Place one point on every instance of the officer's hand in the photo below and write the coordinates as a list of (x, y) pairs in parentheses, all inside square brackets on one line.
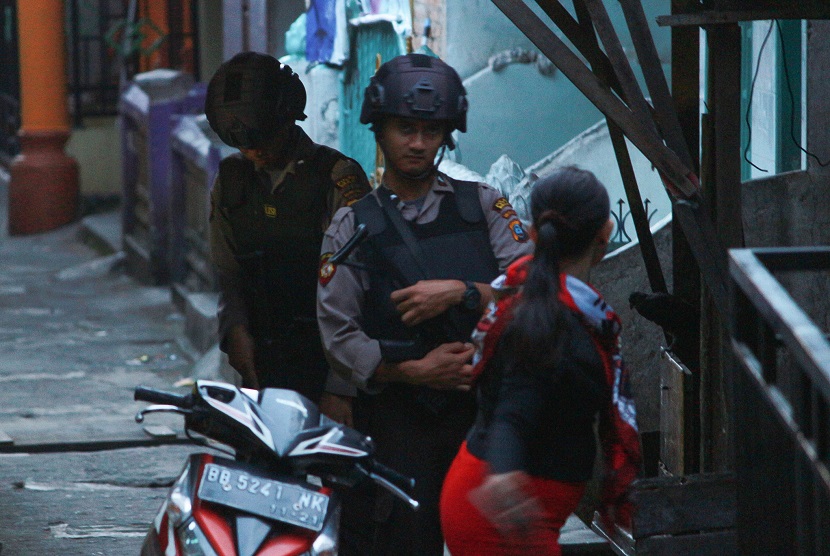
[(447, 367), (240, 345), (427, 299), (337, 408)]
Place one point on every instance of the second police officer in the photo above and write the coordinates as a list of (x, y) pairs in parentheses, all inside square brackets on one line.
[(270, 205), (396, 318)]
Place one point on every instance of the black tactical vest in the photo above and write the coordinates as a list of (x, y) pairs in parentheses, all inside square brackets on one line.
[(278, 237), (456, 245)]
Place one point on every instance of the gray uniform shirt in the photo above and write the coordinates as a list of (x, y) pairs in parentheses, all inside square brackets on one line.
[(340, 292)]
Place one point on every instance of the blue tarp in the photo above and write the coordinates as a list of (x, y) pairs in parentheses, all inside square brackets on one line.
[(321, 28)]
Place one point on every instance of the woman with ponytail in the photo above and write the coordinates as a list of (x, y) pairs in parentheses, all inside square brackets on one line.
[(547, 365)]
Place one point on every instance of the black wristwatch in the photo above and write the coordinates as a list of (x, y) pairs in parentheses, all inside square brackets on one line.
[(471, 300)]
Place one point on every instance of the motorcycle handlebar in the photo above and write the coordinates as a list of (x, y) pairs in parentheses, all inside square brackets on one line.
[(407, 484), (147, 394)]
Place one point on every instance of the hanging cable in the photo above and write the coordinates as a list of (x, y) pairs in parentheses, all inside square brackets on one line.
[(792, 100), (751, 94)]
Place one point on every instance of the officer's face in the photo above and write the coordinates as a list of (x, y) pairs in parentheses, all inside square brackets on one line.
[(410, 145), (268, 155)]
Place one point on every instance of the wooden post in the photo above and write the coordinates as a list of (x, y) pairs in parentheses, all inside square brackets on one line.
[(685, 61), (410, 40), (44, 191), (722, 191)]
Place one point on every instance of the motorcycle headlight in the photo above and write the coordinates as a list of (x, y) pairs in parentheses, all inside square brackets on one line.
[(193, 541)]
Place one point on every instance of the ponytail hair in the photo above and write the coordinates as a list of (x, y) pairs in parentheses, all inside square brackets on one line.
[(569, 207)]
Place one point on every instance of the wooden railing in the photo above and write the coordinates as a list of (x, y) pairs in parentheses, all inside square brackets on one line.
[(781, 402)]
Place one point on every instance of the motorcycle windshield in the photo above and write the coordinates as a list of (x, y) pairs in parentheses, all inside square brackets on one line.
[(288, 413)]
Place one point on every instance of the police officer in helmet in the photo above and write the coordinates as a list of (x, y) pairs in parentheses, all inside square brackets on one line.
[(396, 317), (270, 205)]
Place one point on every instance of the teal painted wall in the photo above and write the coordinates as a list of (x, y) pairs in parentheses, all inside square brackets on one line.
[(521, 113), (367, 41)]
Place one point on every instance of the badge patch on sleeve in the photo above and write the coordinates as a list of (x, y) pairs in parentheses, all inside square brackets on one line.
[(501, 204), (518, 231), (346, 181), (509, 214), (270, 211), (351, 188), (327, 269)]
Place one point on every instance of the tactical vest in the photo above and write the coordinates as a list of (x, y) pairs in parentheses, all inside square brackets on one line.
[(456, 246), (278, 237)]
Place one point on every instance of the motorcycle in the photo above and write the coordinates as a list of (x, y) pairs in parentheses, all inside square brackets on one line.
[(280, 491)]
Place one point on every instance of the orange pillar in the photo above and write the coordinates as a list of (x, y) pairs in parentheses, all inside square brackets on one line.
[(157, 13), (43, 191)]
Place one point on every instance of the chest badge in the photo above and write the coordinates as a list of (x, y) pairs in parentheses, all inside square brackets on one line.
[(327, 269), (270, 211)]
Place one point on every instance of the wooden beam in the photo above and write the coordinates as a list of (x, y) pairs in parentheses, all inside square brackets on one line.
[(722, 17), (706, 246), (651, 259), (584, 42), (715, 543), (688, 210), (672, 505), (664, 159), (658, 88), (619, 61)]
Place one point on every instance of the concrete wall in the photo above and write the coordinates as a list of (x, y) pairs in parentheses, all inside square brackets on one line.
[(477, 29), (619, 274), (791, 209), (281, 14), (97, 148), (516, 110), (436, 11), (322, 88)]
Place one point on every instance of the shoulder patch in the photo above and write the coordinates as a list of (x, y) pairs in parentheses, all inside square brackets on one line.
[(501, 204), (327, 269), (518, 231), (509, 214), (350, 182), (346, 181)]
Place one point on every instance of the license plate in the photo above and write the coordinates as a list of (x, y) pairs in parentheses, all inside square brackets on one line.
[(263, 497)]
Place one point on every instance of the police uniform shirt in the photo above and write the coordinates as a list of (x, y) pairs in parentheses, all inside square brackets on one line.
[(340, 293), (349, 185)]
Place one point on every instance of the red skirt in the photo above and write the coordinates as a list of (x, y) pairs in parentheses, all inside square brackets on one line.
[(468, 533)]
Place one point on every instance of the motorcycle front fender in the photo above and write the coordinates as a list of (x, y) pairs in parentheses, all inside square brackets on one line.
[(151, 546)]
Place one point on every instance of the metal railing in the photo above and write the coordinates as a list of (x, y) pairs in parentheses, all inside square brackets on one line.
[(621, 218), (9, 80), (9, 124), (96, 31), (781, 395)]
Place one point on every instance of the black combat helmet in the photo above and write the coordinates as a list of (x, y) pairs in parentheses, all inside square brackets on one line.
[(251, 97), (416, 86)]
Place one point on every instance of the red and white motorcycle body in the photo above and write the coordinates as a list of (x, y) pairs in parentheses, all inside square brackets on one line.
[(280, 493)]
